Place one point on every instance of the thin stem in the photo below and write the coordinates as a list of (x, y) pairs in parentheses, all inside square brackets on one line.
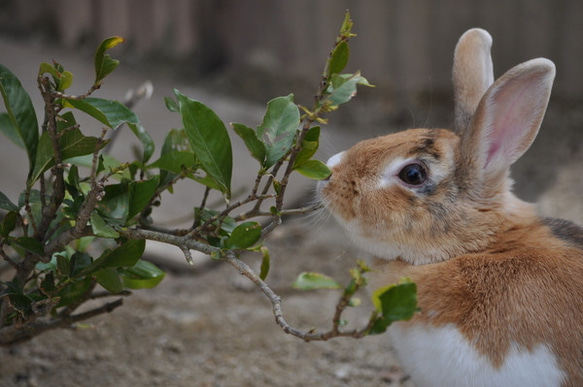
[(91, 90), (58, 193), (276, 303), (205, 197), (292, 211), (257, 183), (227, 211), (69, 129)]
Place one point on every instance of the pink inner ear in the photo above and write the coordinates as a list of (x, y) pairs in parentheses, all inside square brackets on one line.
[(511, 123)]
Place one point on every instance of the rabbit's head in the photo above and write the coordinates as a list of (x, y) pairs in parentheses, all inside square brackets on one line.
[(426, 195)]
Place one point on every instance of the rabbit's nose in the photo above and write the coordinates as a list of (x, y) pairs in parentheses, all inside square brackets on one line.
[(334, 160)]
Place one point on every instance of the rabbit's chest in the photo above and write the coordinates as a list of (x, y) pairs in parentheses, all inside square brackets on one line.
[(442, 356)]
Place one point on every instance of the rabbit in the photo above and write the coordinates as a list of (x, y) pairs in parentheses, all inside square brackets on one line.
[(500, 289)]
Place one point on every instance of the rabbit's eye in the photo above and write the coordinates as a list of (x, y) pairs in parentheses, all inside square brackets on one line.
[(413, 174)]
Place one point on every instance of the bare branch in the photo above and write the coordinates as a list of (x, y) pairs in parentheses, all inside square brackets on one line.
[(14, 334), (276, 303), (87, 208)]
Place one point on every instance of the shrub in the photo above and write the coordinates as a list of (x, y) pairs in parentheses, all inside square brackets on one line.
[(83, 218)]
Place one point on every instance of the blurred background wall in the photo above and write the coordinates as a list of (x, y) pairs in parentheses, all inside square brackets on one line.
[(259, 49), (404, 45)]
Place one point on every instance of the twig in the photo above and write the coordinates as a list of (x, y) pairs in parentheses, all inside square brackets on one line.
[(276, 303), (184, 243), (91, 200), (92, 89), (292, 211), (49, 212)]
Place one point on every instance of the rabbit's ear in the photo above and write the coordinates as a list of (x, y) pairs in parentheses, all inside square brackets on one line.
[(505, 124), (472, 74)]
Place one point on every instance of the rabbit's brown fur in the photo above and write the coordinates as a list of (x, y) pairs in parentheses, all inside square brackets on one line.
[(525, 297)]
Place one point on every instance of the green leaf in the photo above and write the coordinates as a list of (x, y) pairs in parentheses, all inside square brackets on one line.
[(48, 68), (265, 263), (313, 134), (339, 58), (20, 111), (116, 202), (314, 169), (143, 275), (29, 244), (343, 87), (72, 143), (72, 184), (21, 303), (48, 266), (8, 223), (124, 256), (47, 285), (346, 29), (62, 79), (145, 139), (8, 129), (104, 63), (209, 181), (176, 141), (309, 148), (396, 302), (244, 235), (278, 129), (227, 223), (100, 227), (79, 262), (310, 145), (110, 113), (66, 81), (106, 163), (6, 204), (311, 281), (171, 105), (209, 140), (63, 264), (141, 192), (65, 121), (175, 161), (250, 139), (83, 243), (109, 279), (73, 291)]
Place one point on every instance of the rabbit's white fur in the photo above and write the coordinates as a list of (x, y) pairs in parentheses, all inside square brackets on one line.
[(453, 362), (500, 289)]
